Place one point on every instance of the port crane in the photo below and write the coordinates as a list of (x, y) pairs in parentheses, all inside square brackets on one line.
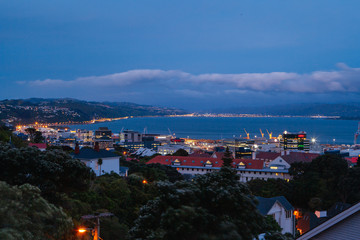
[(357, 134), (247, 134), (270, 135), (262, 134)]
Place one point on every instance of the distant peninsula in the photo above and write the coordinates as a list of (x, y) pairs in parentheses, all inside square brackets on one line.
[(68, 110)]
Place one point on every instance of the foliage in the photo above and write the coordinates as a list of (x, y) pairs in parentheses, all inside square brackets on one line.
[(122, 197), (227, 158), (181, 152), (6, 135), (34, 135), (153, 172), (26, 215), (270, 188), (213, 206), (52, 171), (316, 185)]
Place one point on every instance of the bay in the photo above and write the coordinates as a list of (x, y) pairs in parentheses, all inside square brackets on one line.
[(323, 130)]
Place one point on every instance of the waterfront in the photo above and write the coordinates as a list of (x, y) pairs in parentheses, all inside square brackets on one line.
[(324, 130)]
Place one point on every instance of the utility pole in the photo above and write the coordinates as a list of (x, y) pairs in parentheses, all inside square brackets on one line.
[(96, 217)]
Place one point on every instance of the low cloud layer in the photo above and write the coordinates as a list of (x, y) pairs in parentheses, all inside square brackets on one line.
[(342, 80)]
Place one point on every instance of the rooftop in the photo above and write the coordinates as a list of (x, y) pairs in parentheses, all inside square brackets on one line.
[(265, 204), (89, 153)]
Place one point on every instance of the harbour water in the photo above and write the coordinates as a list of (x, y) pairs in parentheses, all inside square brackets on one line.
[(324, 130)]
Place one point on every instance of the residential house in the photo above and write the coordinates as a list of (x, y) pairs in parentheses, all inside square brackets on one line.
[(281, 210), (89, 156), (344, 225)]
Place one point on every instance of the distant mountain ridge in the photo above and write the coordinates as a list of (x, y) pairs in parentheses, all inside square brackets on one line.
[(68, 109), (344, 110)]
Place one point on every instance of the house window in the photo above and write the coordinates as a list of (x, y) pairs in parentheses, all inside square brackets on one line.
[(288, 213)]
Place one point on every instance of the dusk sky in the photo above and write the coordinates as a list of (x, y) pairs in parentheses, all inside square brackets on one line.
[(189, 54)]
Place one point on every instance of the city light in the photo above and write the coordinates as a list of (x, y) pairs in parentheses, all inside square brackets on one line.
[(313, 140), (144, 181)]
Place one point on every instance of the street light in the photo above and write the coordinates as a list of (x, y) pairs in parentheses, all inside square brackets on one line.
[(82, 230), (96, 230)]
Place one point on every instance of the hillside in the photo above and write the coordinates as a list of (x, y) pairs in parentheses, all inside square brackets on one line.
[(66, 110)]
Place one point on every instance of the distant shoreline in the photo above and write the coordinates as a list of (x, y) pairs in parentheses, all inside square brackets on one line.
[(206, 115)]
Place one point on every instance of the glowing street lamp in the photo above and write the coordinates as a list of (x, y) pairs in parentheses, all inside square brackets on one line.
[(82, 230), (144, 181)]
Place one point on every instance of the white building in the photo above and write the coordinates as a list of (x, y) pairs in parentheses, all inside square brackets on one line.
[(110, 161), (248, 169), (281, 210)]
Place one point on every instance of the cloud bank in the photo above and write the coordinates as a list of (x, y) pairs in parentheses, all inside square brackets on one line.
[(342, 80)]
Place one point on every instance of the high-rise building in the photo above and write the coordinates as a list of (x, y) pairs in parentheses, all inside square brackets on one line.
[(295, 141)]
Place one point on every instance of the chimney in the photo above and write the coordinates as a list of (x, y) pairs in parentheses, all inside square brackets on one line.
[(253, 155), (321, 214), (96, 147), (282, 153), (77, 149), (287, 152)]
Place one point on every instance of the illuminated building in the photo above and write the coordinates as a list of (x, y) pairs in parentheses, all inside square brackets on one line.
[(103, 132), (130, 136), (295, 141)]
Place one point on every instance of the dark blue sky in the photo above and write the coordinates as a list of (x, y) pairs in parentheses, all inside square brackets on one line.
[(189, 54)]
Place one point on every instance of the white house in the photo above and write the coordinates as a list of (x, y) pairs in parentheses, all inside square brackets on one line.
[(281, 210), (110, 161)]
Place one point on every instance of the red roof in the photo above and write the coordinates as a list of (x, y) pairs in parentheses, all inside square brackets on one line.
[(200, 161), (352, 159), (38, 145)]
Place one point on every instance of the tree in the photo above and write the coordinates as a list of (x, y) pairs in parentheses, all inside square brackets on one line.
[(34, 135), (181, 152), (31, 133), (7, 136), (270, 188), (38, 138), (52, 171), (26, 215), (212, 206), (316, 184), (227, 158), (99, 163)]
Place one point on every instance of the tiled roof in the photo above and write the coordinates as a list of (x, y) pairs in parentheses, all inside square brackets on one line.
[(299, 157), (87, 153), (267, 155), (200, 161), (265, 204), (199, 154), (352, 159)]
